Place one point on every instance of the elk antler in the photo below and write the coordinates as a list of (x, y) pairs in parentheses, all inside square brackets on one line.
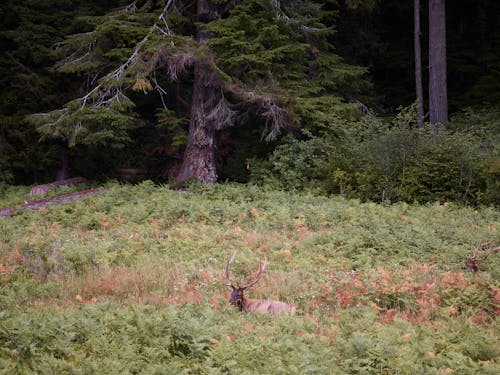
[(262, 267), (227, 281), (472, 262), (489, 248)]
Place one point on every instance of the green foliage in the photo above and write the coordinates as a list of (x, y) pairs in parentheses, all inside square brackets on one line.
[(88, 126), (375, 160), (286, 51), (130, 281), (252, 44), (292, 165), (173, 125), (29, 32)]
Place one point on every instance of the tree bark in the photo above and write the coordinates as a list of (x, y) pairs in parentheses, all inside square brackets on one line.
[(438, 97), (199, 157), (63, 172), (418, 64)]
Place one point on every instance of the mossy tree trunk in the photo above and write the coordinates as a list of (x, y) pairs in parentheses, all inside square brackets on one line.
[(200, 155)]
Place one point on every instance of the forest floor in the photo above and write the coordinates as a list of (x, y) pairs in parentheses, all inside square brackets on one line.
[(131, 281)]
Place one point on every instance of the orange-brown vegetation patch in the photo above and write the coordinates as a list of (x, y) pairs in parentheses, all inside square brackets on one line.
[(157, 286), (417, 294), (10, 261)]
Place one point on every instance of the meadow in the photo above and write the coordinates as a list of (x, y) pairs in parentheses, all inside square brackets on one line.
[(129, 281)]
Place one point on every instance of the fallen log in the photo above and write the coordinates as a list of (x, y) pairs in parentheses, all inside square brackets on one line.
[(43, 189), (40, 203)]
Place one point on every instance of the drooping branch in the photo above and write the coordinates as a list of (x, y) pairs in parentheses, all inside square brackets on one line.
[(108, 94), (177, 65), (279, 118), (221, 114), (176, 55)]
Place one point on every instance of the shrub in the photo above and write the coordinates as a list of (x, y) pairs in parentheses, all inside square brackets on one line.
[(394, 161)]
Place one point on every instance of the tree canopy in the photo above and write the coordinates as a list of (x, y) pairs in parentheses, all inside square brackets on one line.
[(203, 89)]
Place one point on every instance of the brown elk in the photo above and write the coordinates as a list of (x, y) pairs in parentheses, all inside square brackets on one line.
[(250, 305)]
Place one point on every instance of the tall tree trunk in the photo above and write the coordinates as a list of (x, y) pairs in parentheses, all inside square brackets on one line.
[(200, 155), (438, 97), (418, 64), (63, 172)]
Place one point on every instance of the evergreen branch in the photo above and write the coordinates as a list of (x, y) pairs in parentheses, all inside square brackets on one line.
[(273, 111), (75, 58), (117, 73), (109, 95), (132, 7)]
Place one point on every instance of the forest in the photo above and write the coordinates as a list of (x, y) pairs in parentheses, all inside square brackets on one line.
[(336, 160), (327, 95)]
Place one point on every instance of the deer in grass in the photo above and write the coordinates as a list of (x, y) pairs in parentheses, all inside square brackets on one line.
[(472, 262), (254, 305)]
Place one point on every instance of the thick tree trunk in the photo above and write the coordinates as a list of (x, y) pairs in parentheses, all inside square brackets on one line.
[(438, 97), (199, 157), (418, 64)]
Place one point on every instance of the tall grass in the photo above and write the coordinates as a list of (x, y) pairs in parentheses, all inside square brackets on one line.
[(130, 281)]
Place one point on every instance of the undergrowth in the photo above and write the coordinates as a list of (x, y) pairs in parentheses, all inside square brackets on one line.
[(130, 281)]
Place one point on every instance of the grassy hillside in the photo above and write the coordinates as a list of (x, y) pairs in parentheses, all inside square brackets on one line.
[(130, 281)]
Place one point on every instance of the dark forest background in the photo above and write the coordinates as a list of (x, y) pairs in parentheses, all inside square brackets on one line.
[(294, 94)]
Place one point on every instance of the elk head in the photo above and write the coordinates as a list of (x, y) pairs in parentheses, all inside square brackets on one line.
[(254, 305)]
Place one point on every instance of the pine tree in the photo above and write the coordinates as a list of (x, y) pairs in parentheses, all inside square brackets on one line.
[(266, 57), (28, 33)]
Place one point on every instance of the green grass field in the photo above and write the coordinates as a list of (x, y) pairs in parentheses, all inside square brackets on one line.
[(130, 281)]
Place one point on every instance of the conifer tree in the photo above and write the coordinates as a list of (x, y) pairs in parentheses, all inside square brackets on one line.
[(28, 32), (267, 57)]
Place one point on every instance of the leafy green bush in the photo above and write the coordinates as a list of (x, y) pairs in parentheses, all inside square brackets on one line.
[(381, 161), (292, 165)]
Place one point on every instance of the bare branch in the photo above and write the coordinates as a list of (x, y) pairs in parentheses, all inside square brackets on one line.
[(221, 113), (279, 120), (177, 64), (279, 12), (161, 91)]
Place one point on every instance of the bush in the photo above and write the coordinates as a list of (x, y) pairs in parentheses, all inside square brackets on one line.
[(395, 161), (293, 165)]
